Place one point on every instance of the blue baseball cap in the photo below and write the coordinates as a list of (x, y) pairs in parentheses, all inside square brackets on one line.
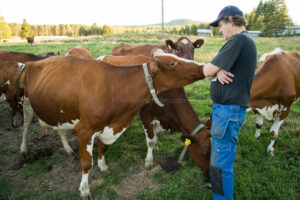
[(226, 12)]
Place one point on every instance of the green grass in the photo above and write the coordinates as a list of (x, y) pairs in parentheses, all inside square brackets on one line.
[(257, 175)]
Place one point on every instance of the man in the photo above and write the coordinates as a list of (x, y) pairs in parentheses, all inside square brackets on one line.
[(233, 71)]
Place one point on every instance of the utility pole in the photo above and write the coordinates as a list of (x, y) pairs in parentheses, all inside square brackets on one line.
[(162, 19)]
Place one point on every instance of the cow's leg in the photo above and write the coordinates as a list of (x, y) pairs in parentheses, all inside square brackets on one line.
[(86, 142), (67, 148), (28, 115), (259, 124), (275, 128), (101, 159), (151, 131), (273, 134)]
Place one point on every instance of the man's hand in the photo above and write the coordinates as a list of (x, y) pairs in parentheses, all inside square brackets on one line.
[(224, 77)]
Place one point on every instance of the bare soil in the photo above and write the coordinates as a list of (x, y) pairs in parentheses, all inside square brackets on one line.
[(63, 176)]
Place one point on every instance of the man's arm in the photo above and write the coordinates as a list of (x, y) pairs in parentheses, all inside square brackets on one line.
[(212, 70)]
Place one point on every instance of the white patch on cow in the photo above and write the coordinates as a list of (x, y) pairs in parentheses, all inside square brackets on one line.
[(2, 97), (102, 164), (270, 149), (61, 111), (28, 115), (67, 148), (275, 51), (151, 144), (276, 126), (84, 186), (184, 41), (100, 58), (157, 127), (67, 54), (107, 136), (7, 82), (259, 121), (160, 52), (59, 126), (21, 65), (268, 111)]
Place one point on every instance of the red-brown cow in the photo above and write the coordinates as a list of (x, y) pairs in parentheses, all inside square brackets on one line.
[(183, 48), (80, 52), (30, 40), (275, 87), (68, 92), (22, 58), (176, 115), (8, 91), (177, 107)]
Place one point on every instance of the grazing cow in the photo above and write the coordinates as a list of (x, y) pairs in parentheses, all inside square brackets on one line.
[(183, 48), (176, 115), (22, 58), (30, 40), (19, 56), (9, 72), (80, 52), (170, 117), (275, 87), (68, 92)]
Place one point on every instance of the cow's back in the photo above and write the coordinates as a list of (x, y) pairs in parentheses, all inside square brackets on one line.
[(145, 50), (19, 56)]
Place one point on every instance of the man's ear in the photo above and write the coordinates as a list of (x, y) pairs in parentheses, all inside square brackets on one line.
[(198, 43), (170, 44)]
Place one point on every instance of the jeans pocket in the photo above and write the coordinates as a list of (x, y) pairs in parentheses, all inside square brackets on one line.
[(219, 126)]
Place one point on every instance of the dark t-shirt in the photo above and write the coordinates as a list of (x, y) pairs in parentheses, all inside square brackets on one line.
[(238, 56)]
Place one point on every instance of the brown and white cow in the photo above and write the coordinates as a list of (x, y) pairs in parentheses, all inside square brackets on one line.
[(97, 99), (19, 56), (183, 48), (80, 52), (275, 87), (9, 72), (176, 115)]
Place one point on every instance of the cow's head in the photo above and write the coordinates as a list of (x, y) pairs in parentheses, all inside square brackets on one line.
[(199, 149), (171, 71), (184, 48)]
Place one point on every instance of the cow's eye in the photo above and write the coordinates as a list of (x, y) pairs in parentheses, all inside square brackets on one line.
[(178, 49), (172, 63)]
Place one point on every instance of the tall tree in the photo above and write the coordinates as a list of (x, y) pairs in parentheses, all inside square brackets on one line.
[(26, 30), (5, 31)]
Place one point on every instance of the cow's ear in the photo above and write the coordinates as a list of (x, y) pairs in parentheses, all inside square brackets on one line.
[(57, 53), (184, 138), (198, 43), (170, 44), (154, 67), (208, 124)]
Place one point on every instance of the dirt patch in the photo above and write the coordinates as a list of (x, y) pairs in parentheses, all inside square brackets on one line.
[(63, 173)]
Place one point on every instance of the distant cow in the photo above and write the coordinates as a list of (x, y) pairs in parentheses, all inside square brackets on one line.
[(275, 87), (30, 40), (183, 48), (9, 72), (80, 52), (68, 92)]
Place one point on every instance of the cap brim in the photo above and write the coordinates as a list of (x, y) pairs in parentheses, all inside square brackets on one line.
[(215, 23)]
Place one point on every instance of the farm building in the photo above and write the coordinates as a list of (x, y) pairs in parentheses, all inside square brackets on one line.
[(291, 30), (204, 32)]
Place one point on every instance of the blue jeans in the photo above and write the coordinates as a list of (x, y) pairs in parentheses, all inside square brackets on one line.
[(226, 124)]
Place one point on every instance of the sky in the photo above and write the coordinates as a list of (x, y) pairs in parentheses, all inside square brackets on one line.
[(123, 12)]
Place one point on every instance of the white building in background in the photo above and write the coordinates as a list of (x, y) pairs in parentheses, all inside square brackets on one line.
[(204, 32)]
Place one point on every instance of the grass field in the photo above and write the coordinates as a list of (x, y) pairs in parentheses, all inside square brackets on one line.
[(258, 176)]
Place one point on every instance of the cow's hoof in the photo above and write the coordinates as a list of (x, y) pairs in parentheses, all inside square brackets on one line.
[(149, 165)]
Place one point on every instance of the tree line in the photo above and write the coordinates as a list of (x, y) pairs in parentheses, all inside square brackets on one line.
[(270, 17)]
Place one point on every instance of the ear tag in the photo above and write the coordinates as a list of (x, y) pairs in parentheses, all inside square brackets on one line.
[(169, 47), (198, 45), (187, 142)]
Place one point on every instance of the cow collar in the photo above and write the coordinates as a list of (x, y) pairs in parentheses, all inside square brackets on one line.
[(149, 82), (196, 130)]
